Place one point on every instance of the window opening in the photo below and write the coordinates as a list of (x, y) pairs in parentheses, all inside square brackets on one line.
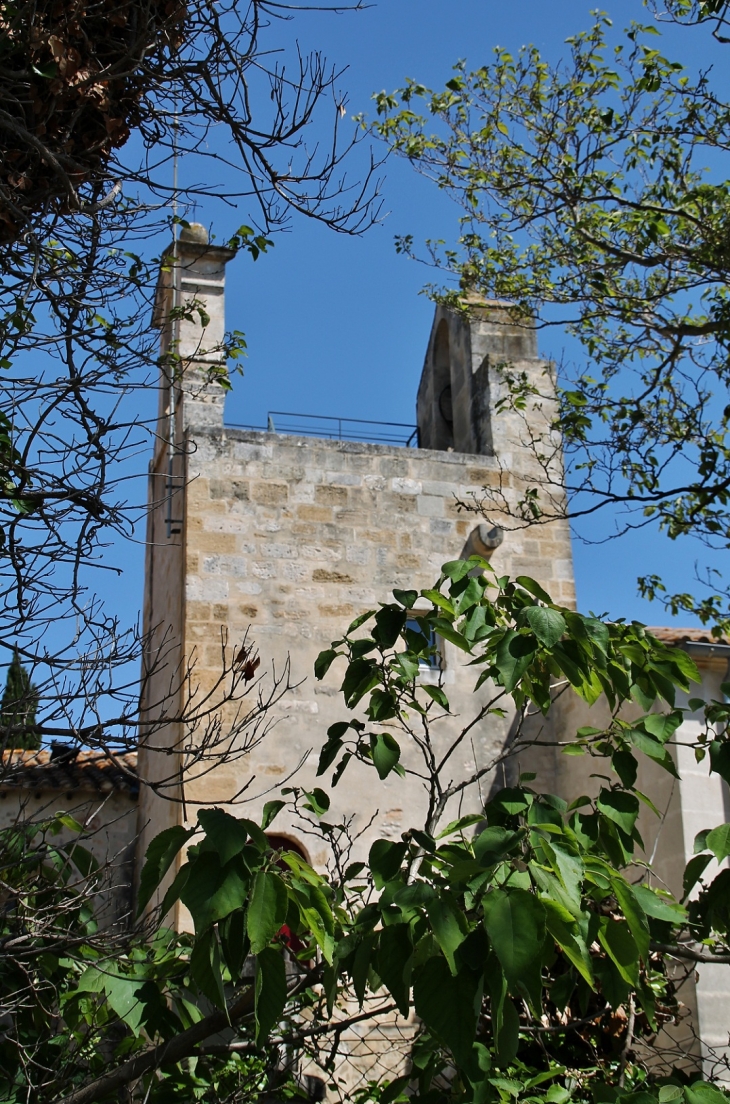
[(431, 660)]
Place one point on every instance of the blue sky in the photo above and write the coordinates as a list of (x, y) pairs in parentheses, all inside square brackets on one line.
[(335, 325)]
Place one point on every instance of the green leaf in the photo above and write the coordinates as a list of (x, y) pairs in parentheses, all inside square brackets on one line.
[(547, 624), (626, 767), (662, 725), (125, 997), (266, 910), (328, 754), (436, 694), (513, 657), (460, 824), (389, 621), (406, 598), (271, 811), (654, 749), (317, 802), (718, 841), (444, 628), (270, 992), (448, 1005), (361, 676), (449, 926), (360, 621), (160, 856), (176, 888), (621, 948), (361, 966), (394, 961), (515, 923), (566, 934), (212, 892), (693, 871), (385, 860), (456, 570), (634, 914), (720, 759), (224, 834), (491, 845), (324, 661), (533, 588), (699, 1092), (622, 808), (661, 908), (597, 633), (385, 751), (205, 968)]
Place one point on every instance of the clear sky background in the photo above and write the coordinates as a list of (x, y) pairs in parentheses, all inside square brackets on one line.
[(336, 325)]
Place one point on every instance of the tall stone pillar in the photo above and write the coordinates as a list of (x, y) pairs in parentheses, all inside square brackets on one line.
[(189, 312)]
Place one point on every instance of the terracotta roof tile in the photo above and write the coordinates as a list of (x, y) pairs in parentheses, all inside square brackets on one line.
[(686, 636), (89, 771)]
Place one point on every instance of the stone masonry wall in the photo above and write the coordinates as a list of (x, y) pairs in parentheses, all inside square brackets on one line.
[(296, 537)]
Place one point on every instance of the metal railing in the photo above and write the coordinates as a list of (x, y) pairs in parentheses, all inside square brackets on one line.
[(337, 429)]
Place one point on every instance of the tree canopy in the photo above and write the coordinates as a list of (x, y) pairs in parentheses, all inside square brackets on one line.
[(593, 198)]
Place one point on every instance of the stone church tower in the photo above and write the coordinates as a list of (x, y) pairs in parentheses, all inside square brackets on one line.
[(295, 536), (292, 537)]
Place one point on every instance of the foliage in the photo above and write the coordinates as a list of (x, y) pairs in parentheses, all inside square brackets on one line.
[(18, 708), (100, 105), (530, 936), (592, 198)]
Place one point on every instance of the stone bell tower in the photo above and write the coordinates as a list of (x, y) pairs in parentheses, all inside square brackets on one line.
[(292, 537)]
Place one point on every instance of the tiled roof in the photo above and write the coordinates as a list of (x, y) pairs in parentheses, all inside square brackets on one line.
[(89, 771), (686, 636)]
